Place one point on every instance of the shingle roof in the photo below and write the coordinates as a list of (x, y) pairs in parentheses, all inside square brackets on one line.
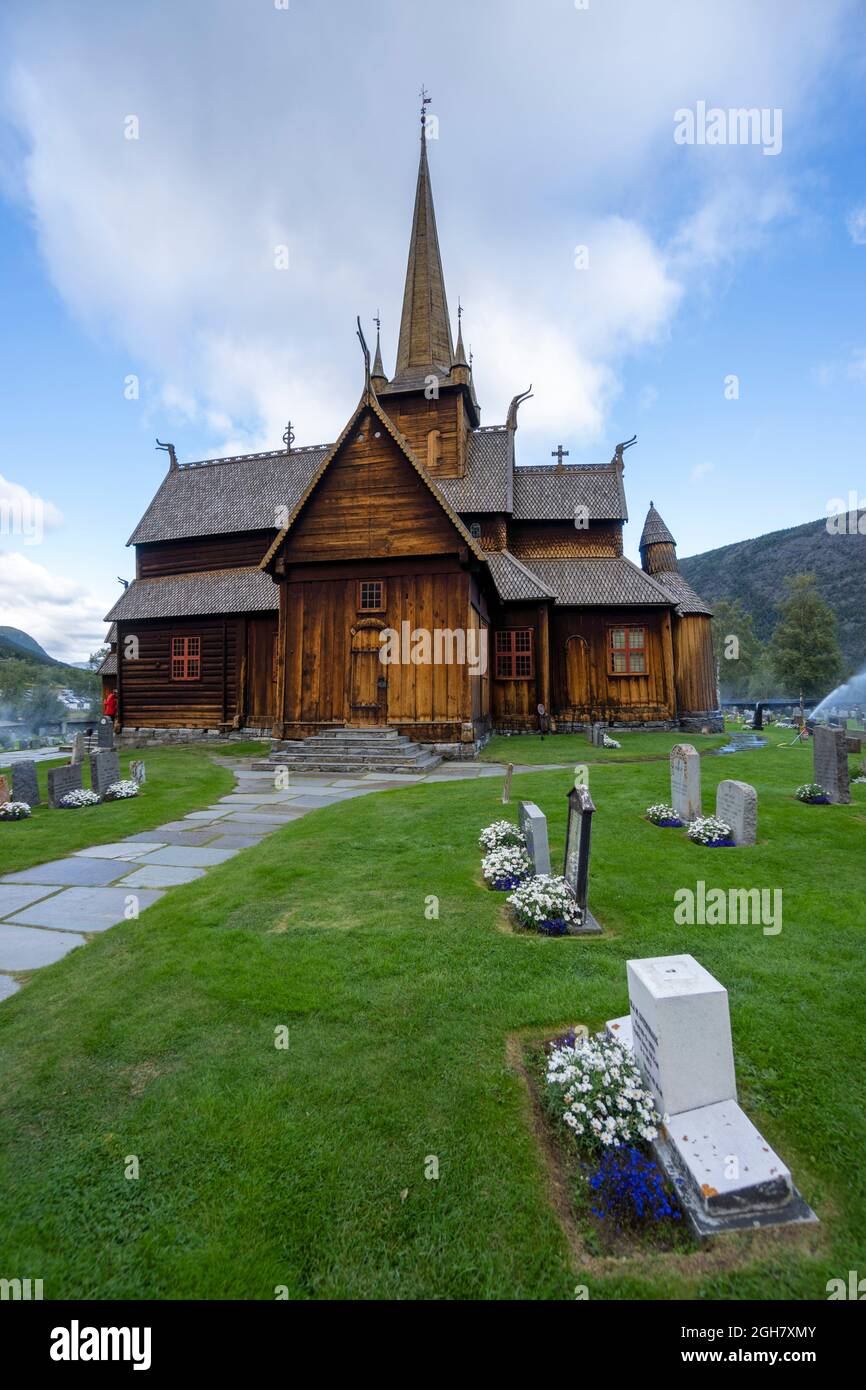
[(194, 595), (514, 582), (551, 494), (218, 496), (108, 666), (112, 633), (682, 593), (654, 530), (486, 486), (600, 582)]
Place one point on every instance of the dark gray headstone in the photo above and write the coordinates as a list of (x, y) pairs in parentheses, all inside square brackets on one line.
[(533, 823), (830, 753), (25, 783), (62, 780), (105, 733), (104, 769), (577, 848)]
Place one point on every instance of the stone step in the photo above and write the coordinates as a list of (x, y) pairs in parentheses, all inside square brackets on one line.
[(337, 764), (332, 750)]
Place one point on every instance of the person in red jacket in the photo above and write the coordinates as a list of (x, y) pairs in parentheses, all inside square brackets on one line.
[(109, 705)]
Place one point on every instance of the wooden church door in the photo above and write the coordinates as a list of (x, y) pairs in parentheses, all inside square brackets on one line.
[(368, 684)]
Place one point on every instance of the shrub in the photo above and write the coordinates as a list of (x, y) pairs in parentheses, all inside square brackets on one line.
[(709, 830), (814, 793), (82, 797), (506, 868), (545, 904), (500, 834), (660, 814), (14, 810), (118, 791), (629, 1189), (601, 1093)]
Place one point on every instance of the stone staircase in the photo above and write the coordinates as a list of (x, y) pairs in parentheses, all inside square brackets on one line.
[(342, 750)]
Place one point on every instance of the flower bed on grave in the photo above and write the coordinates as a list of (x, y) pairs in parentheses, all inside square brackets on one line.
[(711, 832), (121, 791), (545, 904), (663, 816), (500, 834), (506, 868), (602, 1120), (14, 810), (813, 794), (72, 801)]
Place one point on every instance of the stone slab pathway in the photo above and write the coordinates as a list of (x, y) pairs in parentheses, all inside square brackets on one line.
[(51, 909)]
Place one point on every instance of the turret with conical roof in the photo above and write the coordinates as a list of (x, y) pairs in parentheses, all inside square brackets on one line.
[(378, 379), (658, 549)]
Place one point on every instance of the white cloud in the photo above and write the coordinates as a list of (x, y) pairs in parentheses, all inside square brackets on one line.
[(700, 471), (23, 515), (856, 224), (63, 616), (265, 135)]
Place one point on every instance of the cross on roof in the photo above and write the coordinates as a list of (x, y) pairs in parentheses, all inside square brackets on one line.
[(559, 454), (288, 436)]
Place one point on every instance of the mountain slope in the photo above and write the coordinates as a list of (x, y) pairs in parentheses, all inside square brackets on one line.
[(14, 642), (754, 572)]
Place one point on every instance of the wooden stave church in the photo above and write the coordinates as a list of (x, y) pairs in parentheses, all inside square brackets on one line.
[(263, 582)]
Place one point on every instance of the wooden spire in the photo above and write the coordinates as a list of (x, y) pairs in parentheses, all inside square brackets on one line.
[(425, 332)]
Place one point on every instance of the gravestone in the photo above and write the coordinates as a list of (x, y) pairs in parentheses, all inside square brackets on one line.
[(681, 1032), (578, 839), (686, 781), (25, 783), (4, 791), (758, 722), (62, 780), (137, 771), (855, 741), (104, 770), (726, 1175), (533, 823), (105, 733), (830, 754), (77, 748), (737, 806)]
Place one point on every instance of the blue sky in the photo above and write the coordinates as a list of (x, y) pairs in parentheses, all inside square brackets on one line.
[(261, 126)]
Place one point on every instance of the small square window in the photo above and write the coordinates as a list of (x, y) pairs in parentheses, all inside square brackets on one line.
[(371, 596)]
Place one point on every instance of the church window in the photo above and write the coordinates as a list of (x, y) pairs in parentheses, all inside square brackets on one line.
[(371, 596), (627, 651), (514, 655), (185, 658)]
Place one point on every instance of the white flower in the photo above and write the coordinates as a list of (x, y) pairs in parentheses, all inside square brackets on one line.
[(82, 797), (620, 1110), (706, 830), (14, 810), (500, 834), (118, 791), (510, 862)]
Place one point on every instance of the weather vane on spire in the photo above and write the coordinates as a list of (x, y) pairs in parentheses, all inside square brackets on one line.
[(378, 322), (425, 102), (459, 309)]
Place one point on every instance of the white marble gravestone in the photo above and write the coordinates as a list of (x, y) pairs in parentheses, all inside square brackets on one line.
[(737, 806), (686, 781), (681, 1032), (533, 823)]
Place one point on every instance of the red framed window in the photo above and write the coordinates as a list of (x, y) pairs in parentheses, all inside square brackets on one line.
[(371, 595), (185, 658), (514, 654), (627, 651)]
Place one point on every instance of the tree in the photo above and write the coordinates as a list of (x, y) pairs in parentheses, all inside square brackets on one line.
[(42, 707), (804, 648), (737, 651)]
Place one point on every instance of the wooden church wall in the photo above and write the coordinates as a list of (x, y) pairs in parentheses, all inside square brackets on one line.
[(149, 698), (370, 501), (320, 683), (694, 664), (579, 665), (415, 417), (201, 553)]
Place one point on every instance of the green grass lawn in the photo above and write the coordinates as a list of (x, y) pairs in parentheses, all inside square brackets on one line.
[(574, 748), (305, 1166), (179, 780)]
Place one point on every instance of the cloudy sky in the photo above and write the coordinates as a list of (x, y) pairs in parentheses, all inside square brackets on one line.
[(140, 294)]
